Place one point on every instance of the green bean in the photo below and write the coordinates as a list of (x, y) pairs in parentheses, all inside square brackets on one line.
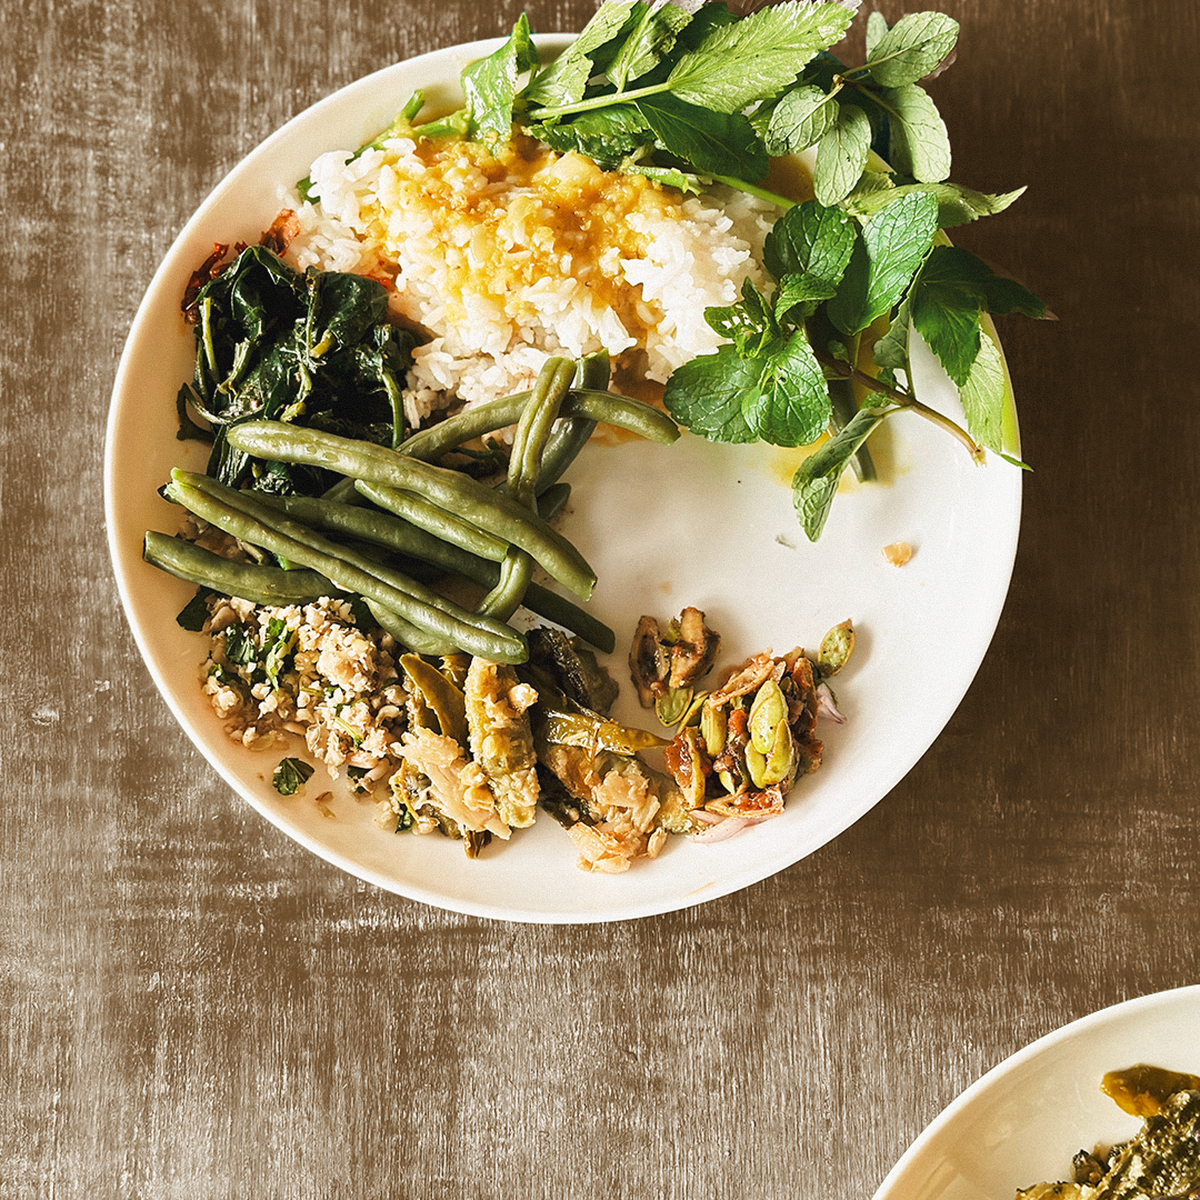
[(553, 500), (490, 510), (361, 522), (408, 634), (248, 581), (529, 443), (567, 440), (607, 407), (383, 529), (239, 514), (434, 520)]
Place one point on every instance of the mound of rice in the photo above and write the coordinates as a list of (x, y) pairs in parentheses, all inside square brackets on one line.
[(504, 255)]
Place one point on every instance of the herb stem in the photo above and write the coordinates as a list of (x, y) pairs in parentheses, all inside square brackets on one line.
[(904, 400), (753, 189), (569, 110)]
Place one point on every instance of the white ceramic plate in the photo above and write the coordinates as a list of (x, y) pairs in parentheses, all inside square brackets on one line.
[(694, 523), (1022, 1122)]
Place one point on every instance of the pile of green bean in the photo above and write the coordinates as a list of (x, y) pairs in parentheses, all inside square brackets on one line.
[(397, 520)]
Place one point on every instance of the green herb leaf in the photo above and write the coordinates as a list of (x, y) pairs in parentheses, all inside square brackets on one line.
[(842, 154), (291, 775), (877, 27), (605, 135), (918, 142), (800, 119), (810, 239), (891, 350), (790, 406), (706, 395), (564, 80), (651, 38), (957, 205), (949, 298), (983, 396), (749, 60), (815, 483), (490, 85), (194, 614), (714, 143), (893, 245), (912, 48), (750, 324), (953, 264)]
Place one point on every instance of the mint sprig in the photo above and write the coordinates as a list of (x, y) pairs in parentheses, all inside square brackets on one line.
[(692, 98)]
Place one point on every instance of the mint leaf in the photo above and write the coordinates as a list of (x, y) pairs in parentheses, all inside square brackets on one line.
[(811, 239), (842, 154), (877, 27), (892, 246), (706, 395), (918, 142), (749, 60), (714, 143), (564, 80), (951, 294), (749, 325), (948, 318), (650, 40), (801, 289), (957, 205), (954, 266), (490, 84), (912, 48), (815, 482), (800, 119), (790, 406), (983, 396), (891, 350)]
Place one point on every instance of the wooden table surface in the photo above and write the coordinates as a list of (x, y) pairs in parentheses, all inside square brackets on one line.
[(192, 1005)]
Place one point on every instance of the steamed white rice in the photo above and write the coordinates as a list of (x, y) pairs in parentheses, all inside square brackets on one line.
[(504, 256)]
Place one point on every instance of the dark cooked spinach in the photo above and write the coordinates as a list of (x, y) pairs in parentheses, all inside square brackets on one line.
[(313, 348)]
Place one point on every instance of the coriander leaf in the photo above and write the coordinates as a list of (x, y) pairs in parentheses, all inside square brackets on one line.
[(790, 406), (650, 39), (983, 396), (815, 482), (490, 84), (713, 143), (877, 26), (564, 80), (893, 244), (706, 393), (291, 775), (918, 144), (842, 154), (799, 120), (957, 205), (912, 48), (751, 59), (810, 239)]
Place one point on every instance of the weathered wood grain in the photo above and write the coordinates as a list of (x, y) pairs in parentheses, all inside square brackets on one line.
[(192, 1006)]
